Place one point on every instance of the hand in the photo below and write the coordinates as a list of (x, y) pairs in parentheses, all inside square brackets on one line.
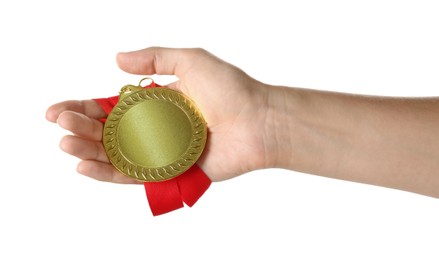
[(233, 104), (390, 142)]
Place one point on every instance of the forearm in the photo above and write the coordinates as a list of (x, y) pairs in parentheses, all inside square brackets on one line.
[(391, 142)]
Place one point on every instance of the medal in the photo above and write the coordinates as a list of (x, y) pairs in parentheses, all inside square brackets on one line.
[(155, 135)]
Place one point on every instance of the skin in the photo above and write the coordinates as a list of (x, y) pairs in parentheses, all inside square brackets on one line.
[(385, 141)]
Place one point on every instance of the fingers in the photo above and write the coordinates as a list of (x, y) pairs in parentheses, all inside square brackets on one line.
[(156, 60), (103, 172), (95, 162), (87, 107), (81, 125), (83, 149)]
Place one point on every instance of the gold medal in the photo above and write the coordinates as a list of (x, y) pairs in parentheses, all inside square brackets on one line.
[(154, 134)]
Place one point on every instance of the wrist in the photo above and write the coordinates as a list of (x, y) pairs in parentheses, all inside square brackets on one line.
[(307, 130), (280, 126)]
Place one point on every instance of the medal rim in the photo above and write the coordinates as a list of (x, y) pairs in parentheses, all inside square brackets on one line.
[(159, 173)]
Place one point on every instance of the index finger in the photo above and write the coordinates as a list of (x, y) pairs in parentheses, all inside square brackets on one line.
[(87, 107)]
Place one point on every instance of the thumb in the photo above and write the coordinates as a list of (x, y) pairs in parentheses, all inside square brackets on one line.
[(155, 60)]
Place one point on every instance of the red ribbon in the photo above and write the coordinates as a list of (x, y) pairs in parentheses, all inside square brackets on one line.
[(169, 195)]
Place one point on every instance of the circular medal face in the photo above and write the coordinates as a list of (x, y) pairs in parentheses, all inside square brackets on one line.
[(154, 134)]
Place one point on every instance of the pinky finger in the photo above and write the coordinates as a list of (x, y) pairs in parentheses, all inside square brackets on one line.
[(103, 172)]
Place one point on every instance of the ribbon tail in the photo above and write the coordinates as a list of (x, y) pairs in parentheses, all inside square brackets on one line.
[(193, 183), (163, 196), (169, 195)]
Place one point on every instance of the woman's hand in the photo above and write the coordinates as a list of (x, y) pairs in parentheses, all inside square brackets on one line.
[(233, 104)]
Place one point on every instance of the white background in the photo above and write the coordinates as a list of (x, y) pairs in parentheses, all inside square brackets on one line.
[(57, 50)]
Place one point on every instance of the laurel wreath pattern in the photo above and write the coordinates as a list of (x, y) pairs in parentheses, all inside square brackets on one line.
[(146, 174)]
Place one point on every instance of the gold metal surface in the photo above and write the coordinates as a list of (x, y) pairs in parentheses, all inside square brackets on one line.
[(154, 134)]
